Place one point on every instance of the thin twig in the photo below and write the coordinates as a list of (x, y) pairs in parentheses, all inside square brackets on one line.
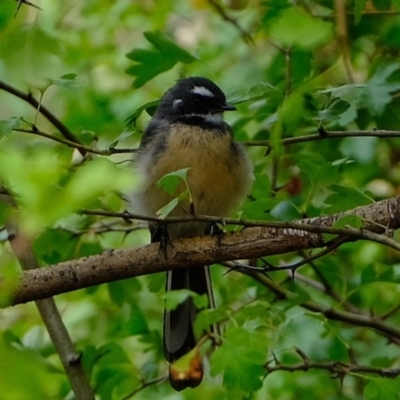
[(330, 291), (28, 97), (220, 10), (331, 247), (369, 321), (81, 147), (288, 71), (144, 385), (103, 228), (391, 312), (290, 267), (337, 368), (327, 135), (28, 3), (366, 13)]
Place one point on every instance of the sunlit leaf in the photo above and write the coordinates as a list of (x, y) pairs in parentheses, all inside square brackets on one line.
[(176, 297), (345, 198), (382, 389), (164, 211), (68, 81), (150, 63), (294, 27), (349, 220), (149, 107), (240, 360), (7, 126), (359, 6), (171, 181)]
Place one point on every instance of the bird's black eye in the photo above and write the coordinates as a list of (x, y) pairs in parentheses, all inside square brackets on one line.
[(198, 99)]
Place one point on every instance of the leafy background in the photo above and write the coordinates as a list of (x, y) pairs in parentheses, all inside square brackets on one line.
[(291, 68)]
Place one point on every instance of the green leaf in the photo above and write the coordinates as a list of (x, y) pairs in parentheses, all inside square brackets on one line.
[(373, 273), (317, 170), (286, 211), (124, 291), (255, 310), (32, 52), (382, 5), (68, 81), (259, 209), (150, 63), (124, 135), (54, 246), (294, 27), (137, 323), (28, 363), (111, 354), (165, 45), (350, 220), (350, 92), (378, 91), (333, 111), (150, 107), (345, 198), (208, 317), (7, 126), (200, 301), (47, 194), (262, 186), (155, 282), (396, 4), (382, 389), (292, 109), (359, 6), (163, 212), (176, 297), (240, 360), (261, 90), (170, 182)]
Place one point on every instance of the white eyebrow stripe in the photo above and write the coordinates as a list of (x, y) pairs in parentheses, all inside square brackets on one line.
[(203, 91)]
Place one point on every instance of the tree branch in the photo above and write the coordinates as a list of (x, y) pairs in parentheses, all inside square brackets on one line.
[(342, 36), (58, 333), (353, 318), (250, 243)]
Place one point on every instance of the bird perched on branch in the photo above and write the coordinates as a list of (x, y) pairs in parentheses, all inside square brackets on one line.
[(188, 132)]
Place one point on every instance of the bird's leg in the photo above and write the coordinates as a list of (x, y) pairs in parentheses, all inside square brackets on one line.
[(159, 233), (214, 230)]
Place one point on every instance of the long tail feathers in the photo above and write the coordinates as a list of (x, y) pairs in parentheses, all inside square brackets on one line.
[(179, 337)]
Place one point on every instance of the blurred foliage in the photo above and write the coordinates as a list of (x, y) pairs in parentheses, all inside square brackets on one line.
[(100, 66)]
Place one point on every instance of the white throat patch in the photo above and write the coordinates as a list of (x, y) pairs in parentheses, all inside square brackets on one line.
[(216, 118), (202, 91)]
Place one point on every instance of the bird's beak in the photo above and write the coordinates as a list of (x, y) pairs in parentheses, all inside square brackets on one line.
[(229, 107)]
